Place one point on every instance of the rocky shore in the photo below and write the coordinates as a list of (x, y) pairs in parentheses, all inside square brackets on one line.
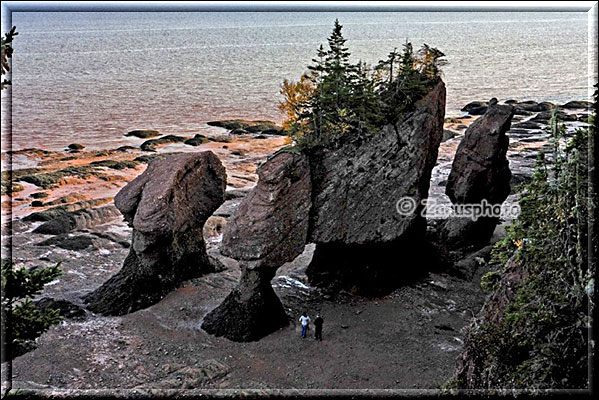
[(62, 209)]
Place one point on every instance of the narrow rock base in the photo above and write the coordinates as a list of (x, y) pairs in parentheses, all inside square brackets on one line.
[(135, 287), (250, 312)]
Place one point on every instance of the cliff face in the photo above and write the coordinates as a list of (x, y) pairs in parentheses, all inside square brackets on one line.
[(354, 221), (342, 199)]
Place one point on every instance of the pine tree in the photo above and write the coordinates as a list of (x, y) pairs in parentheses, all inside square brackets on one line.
[(336, 97), (386, 68), (408, 61), (23, 321), (337, 68), (365, 100), (318, 70), (431, 59), (7, 52)]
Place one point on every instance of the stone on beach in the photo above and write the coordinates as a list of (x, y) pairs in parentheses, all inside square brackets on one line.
[(143, 133)]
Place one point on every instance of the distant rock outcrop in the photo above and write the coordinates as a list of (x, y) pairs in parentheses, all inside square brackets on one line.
[(342, 199), (480, 171), (167, 207)]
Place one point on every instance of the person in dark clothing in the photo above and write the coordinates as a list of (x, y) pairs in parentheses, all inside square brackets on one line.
[(318, 328)]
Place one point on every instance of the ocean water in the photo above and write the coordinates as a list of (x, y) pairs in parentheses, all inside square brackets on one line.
[(89, 77)]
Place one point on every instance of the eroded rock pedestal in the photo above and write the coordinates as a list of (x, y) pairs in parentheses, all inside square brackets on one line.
[(342, 199), (167, 207), (269, 228), (480, 172)]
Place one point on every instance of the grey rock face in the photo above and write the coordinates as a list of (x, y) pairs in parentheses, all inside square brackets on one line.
[(167, 207), (251, 311), (269, 228), (271, 223), (355, 188), (480, 171)]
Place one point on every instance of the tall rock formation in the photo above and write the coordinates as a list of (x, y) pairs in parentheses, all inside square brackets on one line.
[(167, 207), (342, 199), (480, 171), (269, 228)]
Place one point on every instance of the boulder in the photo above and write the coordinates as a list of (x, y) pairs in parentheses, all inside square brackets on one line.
[(143, 133), (448, 134), (475, 106), (268, 229), (577, 104), (197, 140), (153, 144), (167, 207), (533, 106), (528, 125), (480, 171), (545, 116)]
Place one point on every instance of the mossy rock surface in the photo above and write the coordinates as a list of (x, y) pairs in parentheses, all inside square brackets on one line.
[(9, 179), (124, 149), (39, 195), (242, 126), (150, 157), (53, 179), (220, 139), (152, 144), (197, 140), (143, 133), (112, 164)]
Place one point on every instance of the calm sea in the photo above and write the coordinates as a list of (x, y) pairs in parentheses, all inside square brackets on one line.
[(89, 77)]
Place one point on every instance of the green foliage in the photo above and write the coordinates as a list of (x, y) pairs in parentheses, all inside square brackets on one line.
[(24, 321), (7, 52), (336, 98), (540, 339), (489, 281)]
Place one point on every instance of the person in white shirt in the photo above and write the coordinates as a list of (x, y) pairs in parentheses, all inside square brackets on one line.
[(305, 320)]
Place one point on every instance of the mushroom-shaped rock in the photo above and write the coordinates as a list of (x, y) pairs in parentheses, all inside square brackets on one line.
[(167, 207), (480, 172), (268, 229)]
